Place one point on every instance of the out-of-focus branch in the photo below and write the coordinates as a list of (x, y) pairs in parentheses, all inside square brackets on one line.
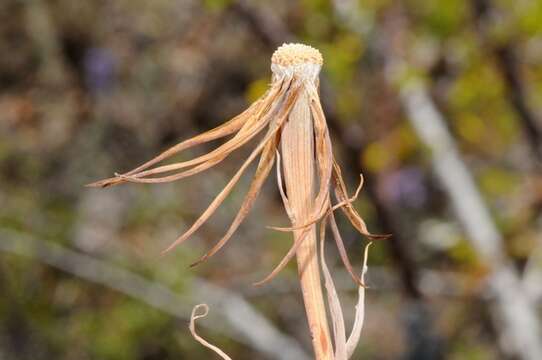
[(532, 276), (244, 323), (269, 28), (532, 283), (514, 313), (505, 55), (44, 34)]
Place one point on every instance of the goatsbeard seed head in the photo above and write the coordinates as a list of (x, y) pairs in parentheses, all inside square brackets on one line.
[(296, 54), (302, 60)]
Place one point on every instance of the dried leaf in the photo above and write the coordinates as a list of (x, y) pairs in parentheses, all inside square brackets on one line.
[(348, 209), (219, 132), (335, 308), (281, 190), (244, 121), (298, 239), (353, 338), (342, 250), (290, 100), (264, 167), (324, 156), (249, 130), (187, 173)]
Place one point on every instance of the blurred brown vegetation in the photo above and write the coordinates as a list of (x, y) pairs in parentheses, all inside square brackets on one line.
[(88, 88)]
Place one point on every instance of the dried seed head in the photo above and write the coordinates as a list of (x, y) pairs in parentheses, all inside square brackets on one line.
[(299, 59), (296, 54)]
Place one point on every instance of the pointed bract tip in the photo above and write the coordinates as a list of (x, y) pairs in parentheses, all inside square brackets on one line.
[(97, 184), (199, 261), (106, 182), (379, 236), (258, 283), (166, 250)]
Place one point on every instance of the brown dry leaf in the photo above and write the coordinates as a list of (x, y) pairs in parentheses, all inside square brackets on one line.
[(342, 250), (285, 201), (298, 239), (264, 167), (219, 132), (243, 122), (250, 129), (354, 337), (324, 154), (227, 189), (348, 209), (335, 309)]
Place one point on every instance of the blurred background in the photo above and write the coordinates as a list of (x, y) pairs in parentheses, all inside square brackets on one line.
[(437, 103)]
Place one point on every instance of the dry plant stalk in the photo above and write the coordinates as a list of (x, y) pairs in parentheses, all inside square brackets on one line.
[(297, 133)]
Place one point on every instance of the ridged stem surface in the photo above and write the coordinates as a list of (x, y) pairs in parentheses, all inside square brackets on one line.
[(297, 146)]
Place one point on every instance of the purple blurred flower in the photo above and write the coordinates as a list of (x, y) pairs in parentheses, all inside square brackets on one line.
[(99, 65), (405, 187)]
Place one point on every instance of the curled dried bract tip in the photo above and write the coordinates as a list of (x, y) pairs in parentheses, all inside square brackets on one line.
[(195, 316)]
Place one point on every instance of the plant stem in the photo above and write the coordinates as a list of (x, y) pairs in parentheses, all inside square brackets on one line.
[(299, 173)]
